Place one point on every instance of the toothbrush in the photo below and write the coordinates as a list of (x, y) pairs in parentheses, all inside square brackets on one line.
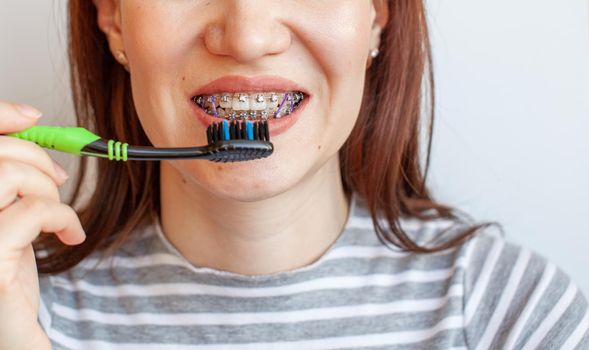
[(227, 142)]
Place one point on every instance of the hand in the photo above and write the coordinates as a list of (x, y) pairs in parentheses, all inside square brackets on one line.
[(29, 206)]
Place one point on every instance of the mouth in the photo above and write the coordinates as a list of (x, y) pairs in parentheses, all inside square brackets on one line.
[(250, 105), (274, 99)]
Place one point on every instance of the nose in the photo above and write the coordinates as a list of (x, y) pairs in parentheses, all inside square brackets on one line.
[(247, 30)]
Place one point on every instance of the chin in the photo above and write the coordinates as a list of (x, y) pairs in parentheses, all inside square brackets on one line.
[(248, 190), (244, 182)]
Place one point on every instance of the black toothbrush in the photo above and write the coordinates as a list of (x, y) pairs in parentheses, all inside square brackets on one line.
[(233, 141)]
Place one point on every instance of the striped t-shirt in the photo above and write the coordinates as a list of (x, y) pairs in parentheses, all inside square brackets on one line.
[(484, 294)]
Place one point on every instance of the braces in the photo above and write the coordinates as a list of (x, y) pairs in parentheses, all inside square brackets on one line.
[(221, 105)]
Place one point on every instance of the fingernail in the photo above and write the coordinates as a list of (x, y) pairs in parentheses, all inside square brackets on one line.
[(60, 171), (29, 111)]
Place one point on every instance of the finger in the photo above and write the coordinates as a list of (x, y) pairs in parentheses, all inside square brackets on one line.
[(16, 117), (21, 179), (32, 154), (23, 221)]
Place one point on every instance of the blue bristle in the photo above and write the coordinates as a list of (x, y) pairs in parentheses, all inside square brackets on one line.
[(226, 130), (250, 130)]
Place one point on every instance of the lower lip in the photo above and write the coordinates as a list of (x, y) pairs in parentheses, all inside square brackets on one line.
[(276, 126)]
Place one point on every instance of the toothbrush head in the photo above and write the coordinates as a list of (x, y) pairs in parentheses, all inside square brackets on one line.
[(237, 141)]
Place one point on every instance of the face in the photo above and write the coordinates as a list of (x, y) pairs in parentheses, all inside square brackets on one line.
[(308, 57)]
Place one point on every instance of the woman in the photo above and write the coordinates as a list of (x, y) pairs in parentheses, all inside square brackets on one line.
[(295, 250)]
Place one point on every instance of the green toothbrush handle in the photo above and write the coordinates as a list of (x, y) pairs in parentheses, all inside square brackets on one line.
[(65, 139)]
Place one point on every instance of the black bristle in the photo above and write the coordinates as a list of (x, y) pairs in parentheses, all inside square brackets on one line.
[(243, 130), (232, 129), (210, 134), (219, 131), (266, 132), (256, 131), (213, 134), (260, 131), (238, 130)]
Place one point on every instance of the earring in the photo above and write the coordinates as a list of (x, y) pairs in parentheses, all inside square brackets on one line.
[(121, 57), (374, 53)]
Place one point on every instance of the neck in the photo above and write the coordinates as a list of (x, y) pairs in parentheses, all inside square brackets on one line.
[(281, 233)]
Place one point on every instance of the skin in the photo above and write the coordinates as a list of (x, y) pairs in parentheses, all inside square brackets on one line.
[(270, 215)]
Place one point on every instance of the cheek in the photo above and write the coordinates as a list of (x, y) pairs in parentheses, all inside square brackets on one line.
[(340, 39), (157, 41), (154, 34), (339, 43), (157, 64), (350, 70)]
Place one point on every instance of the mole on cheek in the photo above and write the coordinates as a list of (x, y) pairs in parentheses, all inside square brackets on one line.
[(220, 168), (319, 147)]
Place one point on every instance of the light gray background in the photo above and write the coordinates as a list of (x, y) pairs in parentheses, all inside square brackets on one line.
[(512, 134)]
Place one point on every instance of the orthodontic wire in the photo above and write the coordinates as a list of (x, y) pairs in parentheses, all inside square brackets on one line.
[(214, 106), (281, 105)]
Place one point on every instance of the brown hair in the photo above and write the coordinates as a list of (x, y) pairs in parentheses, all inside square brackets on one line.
[(380, 160)]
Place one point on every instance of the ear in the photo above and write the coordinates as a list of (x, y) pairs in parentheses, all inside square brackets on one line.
[(109, 22), (380, 18)]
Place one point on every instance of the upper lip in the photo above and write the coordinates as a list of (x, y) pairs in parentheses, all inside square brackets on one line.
[(239, 83)]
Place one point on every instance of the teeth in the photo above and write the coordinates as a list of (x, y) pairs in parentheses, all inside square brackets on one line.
[(258, 105), (225, 101), (241, 102)]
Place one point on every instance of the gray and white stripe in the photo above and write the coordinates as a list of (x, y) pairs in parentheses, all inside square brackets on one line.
[(485, 294)]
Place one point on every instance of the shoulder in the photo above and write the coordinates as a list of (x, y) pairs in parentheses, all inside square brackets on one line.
[(515, 298), (512, 297)]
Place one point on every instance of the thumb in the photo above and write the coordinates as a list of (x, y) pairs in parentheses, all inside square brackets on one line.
[(16, 117)]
